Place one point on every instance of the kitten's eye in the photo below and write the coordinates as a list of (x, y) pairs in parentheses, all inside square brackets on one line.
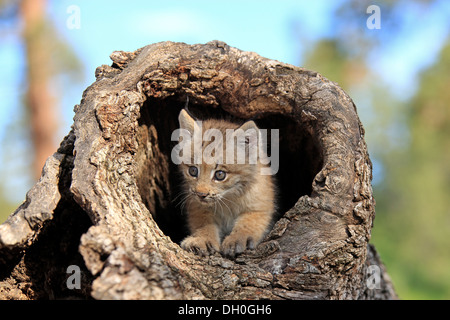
[(193, 171), (219, 175)]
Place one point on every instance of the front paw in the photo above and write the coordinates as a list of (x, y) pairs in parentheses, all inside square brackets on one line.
[(235, 244), (199, 245)]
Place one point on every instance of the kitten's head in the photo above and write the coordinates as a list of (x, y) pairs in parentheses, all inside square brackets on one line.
[(214, 176)]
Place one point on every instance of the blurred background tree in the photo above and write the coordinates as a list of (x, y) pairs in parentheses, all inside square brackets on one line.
[(47, 56), (39, 100), (407, 127)]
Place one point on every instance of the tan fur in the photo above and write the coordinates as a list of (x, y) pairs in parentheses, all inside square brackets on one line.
[(237, 212)]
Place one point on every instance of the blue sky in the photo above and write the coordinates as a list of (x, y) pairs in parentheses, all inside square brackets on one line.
[(274, 29), (262, 26)]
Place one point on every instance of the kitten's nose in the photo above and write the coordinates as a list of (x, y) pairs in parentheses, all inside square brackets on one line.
[(202, 195)]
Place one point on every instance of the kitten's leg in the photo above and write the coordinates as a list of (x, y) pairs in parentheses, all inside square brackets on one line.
[(248, 231), (204, 238)]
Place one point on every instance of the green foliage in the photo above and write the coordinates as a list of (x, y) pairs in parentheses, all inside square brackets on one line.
[(413, 220)]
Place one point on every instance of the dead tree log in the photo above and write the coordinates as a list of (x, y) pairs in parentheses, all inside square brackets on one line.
[(101, 222)]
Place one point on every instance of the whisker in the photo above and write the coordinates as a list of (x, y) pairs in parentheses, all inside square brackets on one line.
[(215, 207), (184, 201), (231, 202), (184, 196), (223, 202), (182, 193)]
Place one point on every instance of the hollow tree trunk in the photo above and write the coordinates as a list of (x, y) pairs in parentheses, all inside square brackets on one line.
[(104, 203)]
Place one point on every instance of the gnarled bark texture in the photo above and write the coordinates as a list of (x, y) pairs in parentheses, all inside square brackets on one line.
[(104, 202)]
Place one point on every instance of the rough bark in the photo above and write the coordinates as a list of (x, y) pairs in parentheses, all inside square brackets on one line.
[(104, 200)]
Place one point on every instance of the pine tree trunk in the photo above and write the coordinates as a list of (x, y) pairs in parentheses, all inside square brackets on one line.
[(40, 102), (101, 222)]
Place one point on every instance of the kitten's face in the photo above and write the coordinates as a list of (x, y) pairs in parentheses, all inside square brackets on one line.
[(215, 183)]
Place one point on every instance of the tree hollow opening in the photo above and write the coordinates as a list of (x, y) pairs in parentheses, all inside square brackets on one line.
[(159, 181)]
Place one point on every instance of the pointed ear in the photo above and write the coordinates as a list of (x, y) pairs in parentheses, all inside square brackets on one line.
[(249, 134), (186, 121), (249, 125)]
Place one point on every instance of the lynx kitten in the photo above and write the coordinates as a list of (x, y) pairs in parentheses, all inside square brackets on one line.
[(229, 206)]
